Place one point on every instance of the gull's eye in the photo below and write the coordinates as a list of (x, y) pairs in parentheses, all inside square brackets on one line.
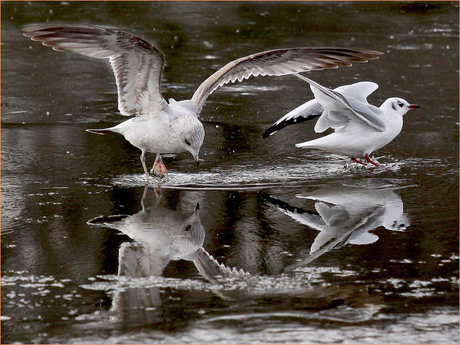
[(187, 142), (188, 227), (400, 104)]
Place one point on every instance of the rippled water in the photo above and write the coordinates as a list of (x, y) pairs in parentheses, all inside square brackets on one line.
[(264, 242)]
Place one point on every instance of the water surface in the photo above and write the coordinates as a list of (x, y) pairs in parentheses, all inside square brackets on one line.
[(264, 242)]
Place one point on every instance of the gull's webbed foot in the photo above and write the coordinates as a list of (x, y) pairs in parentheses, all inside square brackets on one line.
[(159, 168), (371, 161), (354, 159)]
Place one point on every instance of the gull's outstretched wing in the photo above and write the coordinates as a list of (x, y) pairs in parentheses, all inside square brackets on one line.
[(307, 111), (137, 64), (211, 269), (340, 108), (312, 109), (280, 62)]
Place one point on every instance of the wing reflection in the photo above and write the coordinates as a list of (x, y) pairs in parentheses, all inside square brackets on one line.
[(159, 235), (162, 235), (346, 215)]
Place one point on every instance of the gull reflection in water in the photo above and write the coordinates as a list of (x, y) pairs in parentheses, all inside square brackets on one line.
[(159, 236), (344, 214)]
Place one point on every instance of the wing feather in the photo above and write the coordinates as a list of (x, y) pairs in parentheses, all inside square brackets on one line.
[(308, 111), (312, 109), (361, 110), (280, 62), (136, 64)]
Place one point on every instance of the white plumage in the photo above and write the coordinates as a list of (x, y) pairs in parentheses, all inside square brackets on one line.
[(359, 127), (174, 127)]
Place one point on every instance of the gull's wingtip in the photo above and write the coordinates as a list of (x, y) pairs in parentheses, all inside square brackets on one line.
[(270, 131), (377, 52), (373, 52), (30, 30)]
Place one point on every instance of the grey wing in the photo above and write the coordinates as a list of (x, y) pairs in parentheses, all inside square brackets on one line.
[(136, 64), (307, 111), (332, 99), (211, 269), (280, 62)]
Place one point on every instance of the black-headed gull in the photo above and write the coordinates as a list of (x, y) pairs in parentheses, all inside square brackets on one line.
[(346, 214), (162, 127), (360, 128)]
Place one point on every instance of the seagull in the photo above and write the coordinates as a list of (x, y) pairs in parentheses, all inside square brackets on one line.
[(159, 126), (345, 214), (359, 127), (161, 235)]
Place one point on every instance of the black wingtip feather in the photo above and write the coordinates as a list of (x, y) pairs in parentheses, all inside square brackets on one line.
[(281, 125), (285, 206)]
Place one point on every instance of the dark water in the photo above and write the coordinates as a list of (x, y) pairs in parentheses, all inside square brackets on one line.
[(287, 245)]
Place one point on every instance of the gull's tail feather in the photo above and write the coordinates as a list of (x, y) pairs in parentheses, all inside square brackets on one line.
[(106, 220), (99, 131), (306, 144)]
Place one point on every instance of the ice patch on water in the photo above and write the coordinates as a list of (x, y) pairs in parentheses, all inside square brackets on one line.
[(285, 284), (111, 283)]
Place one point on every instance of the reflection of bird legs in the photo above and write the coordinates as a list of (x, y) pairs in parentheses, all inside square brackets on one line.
[(158, 194), (159, 167), (144, 195)]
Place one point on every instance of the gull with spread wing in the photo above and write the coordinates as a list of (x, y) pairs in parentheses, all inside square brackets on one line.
[(360, 128), (159, 126), (346, 214)]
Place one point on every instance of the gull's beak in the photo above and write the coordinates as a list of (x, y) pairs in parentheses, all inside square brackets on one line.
[(197, 159), (411, 106)]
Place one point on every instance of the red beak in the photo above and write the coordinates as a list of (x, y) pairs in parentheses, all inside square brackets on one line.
[(414, 106)]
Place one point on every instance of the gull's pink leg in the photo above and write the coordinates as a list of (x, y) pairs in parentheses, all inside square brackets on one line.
[(370, 161), (163, 169), (144, 166), (358, 161), (154, 164), (159, 167)]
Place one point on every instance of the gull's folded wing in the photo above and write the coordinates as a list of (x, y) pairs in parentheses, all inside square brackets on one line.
[(338, 105)]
